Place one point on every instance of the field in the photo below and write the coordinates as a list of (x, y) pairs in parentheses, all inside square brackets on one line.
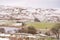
[(40, 25)]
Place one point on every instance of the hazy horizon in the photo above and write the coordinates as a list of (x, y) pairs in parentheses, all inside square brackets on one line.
[(32, 3)]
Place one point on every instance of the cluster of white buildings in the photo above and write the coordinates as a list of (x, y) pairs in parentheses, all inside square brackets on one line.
[(29, 14)]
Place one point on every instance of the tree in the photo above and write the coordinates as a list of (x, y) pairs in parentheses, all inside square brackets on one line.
[(2, 30), (56, 30), (32, 30), (29, 29)]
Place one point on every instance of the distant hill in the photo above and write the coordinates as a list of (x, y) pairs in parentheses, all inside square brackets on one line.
[(29, 14)]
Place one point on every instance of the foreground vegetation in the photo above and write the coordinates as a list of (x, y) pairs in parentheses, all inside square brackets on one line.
[(41, 25)]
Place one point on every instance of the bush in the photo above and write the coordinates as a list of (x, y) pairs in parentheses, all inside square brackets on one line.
[(32, 30)]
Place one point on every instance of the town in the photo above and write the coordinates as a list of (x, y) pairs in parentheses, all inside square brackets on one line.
[(19, 23)]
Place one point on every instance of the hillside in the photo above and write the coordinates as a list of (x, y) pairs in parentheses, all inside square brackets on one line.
[(29, 14)]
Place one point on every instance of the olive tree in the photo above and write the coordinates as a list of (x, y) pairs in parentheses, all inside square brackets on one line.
[(29, 29), (32, 30), (56, 30)]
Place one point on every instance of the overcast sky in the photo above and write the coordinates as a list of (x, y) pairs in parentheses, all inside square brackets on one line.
[(32, 3)]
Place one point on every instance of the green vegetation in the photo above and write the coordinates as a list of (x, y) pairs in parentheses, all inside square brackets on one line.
[(40, 25), (56, 30)]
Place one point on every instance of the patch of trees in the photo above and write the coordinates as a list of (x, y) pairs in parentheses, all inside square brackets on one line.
[(56, 30), (29, 29)]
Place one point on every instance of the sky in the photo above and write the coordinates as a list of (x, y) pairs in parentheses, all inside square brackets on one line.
[(32, 3)]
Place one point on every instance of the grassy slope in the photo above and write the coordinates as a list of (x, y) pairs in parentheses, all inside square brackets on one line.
[(41, 25)]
